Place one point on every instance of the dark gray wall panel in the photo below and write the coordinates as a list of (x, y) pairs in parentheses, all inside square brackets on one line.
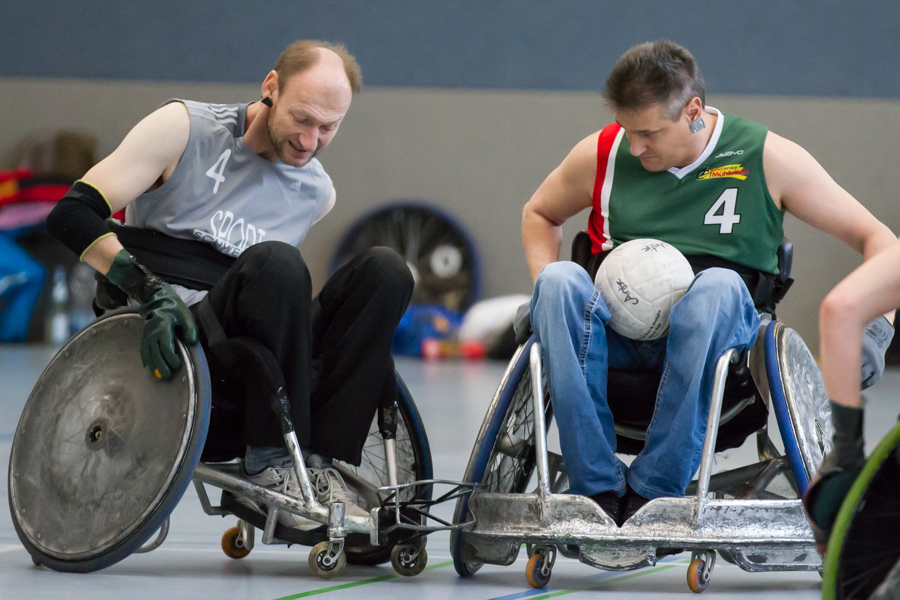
[(784, 47)]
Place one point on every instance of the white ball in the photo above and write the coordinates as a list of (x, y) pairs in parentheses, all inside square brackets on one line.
[(639, 281)]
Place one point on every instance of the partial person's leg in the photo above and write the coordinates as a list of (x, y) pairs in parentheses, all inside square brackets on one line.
[(569, 317), (359, 309), (714, 315), (267, 295)]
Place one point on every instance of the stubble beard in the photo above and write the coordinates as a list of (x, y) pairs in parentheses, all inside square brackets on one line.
[(279, 145)]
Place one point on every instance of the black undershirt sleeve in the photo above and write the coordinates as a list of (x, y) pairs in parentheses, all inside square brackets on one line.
[(79, 218)]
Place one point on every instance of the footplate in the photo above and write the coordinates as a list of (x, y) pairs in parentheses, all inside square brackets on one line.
[(402, 521)]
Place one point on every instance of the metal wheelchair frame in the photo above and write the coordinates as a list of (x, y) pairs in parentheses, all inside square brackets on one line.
[(765, 533)]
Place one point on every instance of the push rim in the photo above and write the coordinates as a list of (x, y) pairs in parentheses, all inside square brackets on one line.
[(503, 458), (90, 413)]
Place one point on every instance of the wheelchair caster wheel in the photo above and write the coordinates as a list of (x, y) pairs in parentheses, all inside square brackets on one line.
[(697, 576), (535, 573), (326, 563), (409, 561), (231, 545)]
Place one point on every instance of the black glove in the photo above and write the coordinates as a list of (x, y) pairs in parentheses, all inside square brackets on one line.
[(837, 473), (162, 309), (522, 323), (877, 338)]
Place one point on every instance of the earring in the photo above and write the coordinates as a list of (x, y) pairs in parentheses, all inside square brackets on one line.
[(697, 125)]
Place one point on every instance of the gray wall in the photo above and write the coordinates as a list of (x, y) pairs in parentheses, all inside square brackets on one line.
[(469, 103), (821, 48), (481, 154)]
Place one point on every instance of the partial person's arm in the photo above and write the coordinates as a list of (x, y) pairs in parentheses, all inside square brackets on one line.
[(871, 290), (151, 151), (567, 191), (800, 185)]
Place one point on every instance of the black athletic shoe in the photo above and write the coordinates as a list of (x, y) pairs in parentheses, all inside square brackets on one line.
[(632, 503), (611, 505)]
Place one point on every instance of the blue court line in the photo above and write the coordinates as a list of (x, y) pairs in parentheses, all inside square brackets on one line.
[(545, 593)]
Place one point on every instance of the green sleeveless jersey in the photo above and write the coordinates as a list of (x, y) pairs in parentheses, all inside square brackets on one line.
[(718, 206)]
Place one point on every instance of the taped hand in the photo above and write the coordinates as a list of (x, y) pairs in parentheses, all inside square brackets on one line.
[(877, 338)]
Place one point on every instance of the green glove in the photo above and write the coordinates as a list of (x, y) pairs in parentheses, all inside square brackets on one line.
[(162, 309)]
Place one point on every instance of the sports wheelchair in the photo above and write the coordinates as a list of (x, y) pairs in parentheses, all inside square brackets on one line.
[(750, 516), (104, 451)]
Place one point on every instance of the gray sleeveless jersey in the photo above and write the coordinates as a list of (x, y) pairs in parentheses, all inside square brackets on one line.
[(225, 194)]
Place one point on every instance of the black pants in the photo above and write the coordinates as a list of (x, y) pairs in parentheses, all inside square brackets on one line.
[(334, 352)]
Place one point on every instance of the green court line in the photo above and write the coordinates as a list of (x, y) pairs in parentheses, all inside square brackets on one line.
[(344, 586), (616, 579)]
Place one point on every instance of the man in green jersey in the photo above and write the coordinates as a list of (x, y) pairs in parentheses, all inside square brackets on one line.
[(715, 187)]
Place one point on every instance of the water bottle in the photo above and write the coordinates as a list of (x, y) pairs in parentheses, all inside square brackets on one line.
[(82, 288), (58, 319)]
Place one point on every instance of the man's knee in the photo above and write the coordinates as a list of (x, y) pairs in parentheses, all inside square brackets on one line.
[(715, 295), (278, 264), (720, 279), (560, 280), (716, 286), (389, 268)]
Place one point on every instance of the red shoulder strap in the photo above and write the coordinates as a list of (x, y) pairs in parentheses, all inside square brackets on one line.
[(604, 146), (596, 224)]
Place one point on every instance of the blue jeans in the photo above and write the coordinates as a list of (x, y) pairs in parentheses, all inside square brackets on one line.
[(569, 320)]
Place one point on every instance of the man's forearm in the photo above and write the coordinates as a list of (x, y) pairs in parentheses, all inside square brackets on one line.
[(102, 253), (542, 240)]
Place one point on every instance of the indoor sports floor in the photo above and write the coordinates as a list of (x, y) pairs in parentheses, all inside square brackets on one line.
[(452, 397)]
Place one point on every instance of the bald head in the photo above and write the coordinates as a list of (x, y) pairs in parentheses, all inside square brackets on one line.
[(304, 55)]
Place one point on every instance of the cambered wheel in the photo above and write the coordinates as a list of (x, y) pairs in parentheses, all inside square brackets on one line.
[(697, 577), (534, 571), (413, 464), (799, 400), (107, 450), (231, 544), (503, 458), (863, 547), (408, 560), (439, 251), (325, 564)]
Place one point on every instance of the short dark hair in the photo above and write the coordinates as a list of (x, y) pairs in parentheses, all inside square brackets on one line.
[(659, 72), (303, 54)]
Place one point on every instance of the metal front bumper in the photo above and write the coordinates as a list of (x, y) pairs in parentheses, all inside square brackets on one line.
[(756, 535)]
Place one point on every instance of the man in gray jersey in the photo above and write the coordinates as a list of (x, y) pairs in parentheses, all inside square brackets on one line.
[(241, 181)]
